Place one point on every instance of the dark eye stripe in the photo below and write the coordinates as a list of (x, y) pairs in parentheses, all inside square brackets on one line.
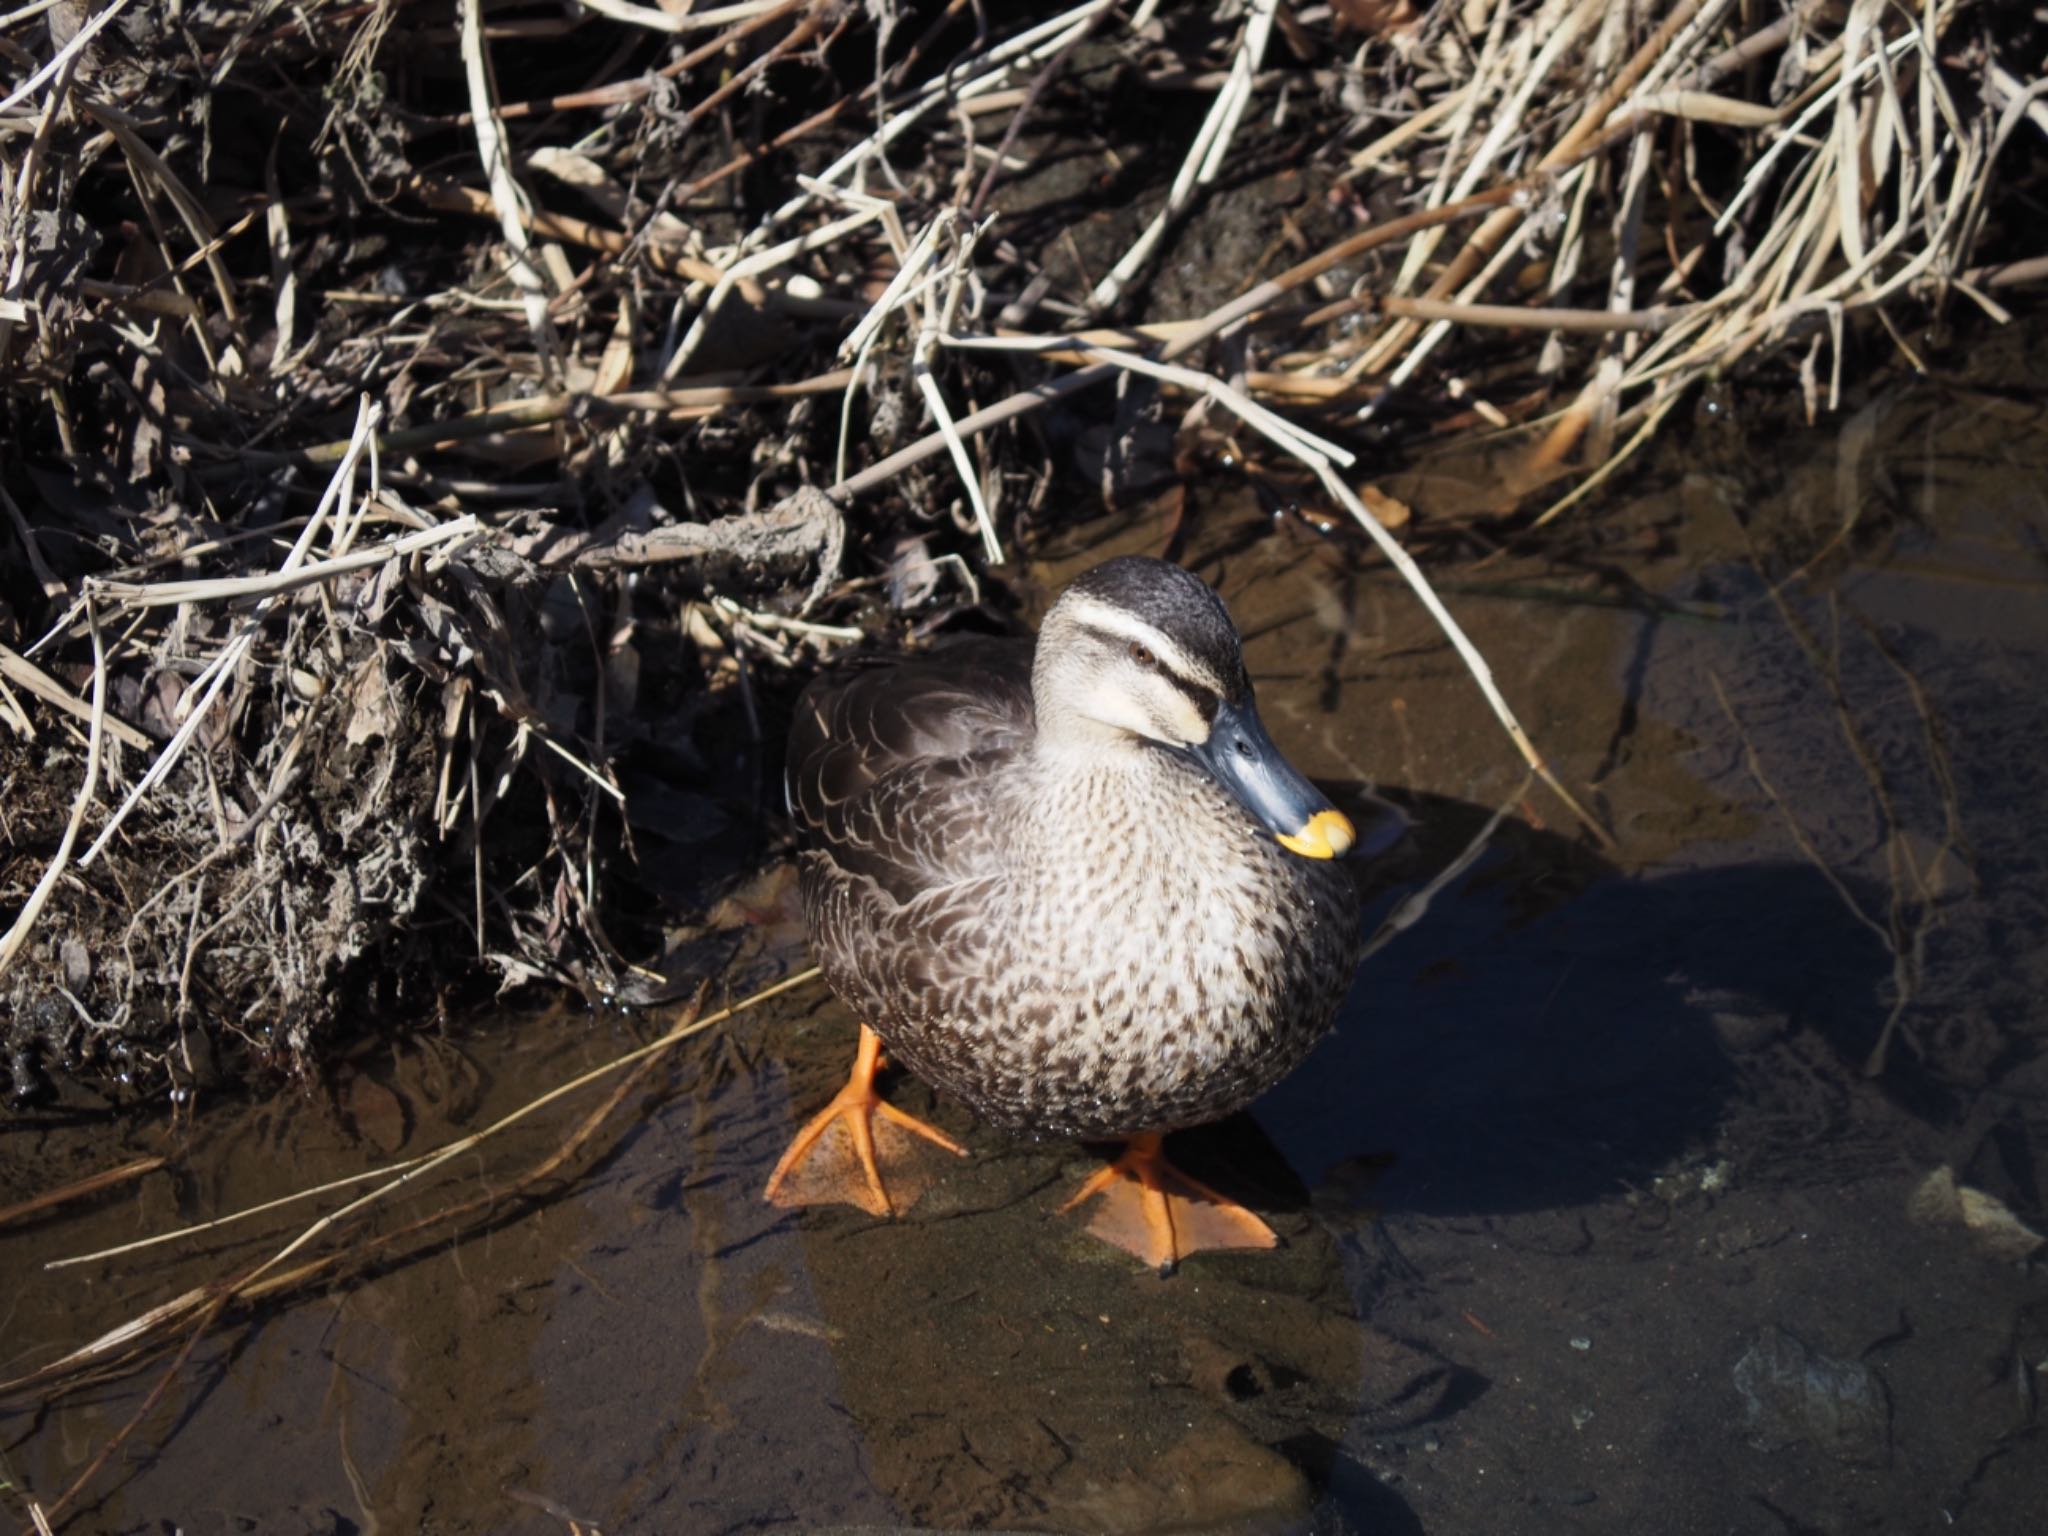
[(1200, 695)]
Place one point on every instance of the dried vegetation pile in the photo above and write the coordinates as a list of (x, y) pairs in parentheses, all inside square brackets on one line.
[(433, 430)]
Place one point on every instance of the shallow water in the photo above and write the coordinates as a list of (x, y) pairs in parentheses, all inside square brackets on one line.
[(1594, 1216)]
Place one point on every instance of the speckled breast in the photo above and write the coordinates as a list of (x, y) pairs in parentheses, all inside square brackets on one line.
[(1165, 983)]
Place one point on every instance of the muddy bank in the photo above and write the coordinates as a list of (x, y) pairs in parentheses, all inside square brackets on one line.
[(438, 445)]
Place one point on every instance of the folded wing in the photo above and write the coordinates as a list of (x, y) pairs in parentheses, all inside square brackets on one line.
[(887, 763)]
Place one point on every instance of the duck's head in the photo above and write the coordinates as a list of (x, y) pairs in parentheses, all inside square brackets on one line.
[(1138, 654)]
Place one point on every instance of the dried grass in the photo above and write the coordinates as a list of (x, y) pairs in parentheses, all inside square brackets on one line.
[(613, 294)]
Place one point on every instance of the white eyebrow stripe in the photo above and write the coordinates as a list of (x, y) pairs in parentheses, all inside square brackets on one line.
[(1128, 626)]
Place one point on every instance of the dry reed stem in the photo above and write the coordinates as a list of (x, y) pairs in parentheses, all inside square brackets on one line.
[(149, 165), (1585, 322), (455, 198), (1188, 335), (18, 669), (752, 266), (994, 68), (688, 21), (624, 92), (402, 1174), (88, 791), (210, 682), (510, 199), (115, 1441), (859, 345), (71, 49), (937, 321), (168, 594), (80, 1189), (1594, 134), (1205, 155)]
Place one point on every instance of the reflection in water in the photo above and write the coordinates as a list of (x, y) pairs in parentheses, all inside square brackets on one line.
[(1591, 1155)]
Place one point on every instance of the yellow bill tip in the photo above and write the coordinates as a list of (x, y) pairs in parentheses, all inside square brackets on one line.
[(1328, 835)]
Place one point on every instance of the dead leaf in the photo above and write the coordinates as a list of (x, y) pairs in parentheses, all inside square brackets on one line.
[(1379, 17), (615, 367), (569, 167), (1390, 511), (371, 713)]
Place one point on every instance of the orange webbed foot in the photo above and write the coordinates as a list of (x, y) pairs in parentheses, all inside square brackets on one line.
[(1154, 1211), (846, 1136)]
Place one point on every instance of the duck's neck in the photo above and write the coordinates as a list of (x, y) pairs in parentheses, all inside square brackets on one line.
[(1121, 788), (1071, 742)]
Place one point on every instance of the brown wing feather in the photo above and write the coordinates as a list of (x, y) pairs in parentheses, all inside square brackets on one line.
[(885, 763)]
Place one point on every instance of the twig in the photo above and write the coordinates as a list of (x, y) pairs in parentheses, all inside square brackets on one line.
[(224, 665), (63, 56), (1205, 156), (17, 668), (505, 190), (24, 923), (79, 1189), (407, 1173), (167, 594)]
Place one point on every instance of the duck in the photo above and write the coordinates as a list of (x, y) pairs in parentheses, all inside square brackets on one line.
[(1072, 883)]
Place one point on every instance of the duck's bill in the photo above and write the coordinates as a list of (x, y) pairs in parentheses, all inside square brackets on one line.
[(1242, 758)]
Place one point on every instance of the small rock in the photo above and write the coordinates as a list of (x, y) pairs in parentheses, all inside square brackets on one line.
[(1742, 1022), (1746, 1031), (77, 963), (1214, 1479), (1791, 1393), (1934, 1202), (1939, 1201), (1997, 1231)]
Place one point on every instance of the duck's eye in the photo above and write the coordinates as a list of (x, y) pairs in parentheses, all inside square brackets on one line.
[(1142, 656)]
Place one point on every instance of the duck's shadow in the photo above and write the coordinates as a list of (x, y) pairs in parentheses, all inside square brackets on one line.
[(1553, 1031)]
